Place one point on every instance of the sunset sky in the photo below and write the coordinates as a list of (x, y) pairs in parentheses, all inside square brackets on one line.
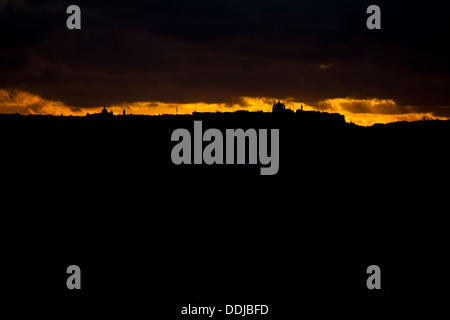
[(154, 57)]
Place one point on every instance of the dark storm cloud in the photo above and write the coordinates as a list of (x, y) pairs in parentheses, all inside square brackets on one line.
[(216, 51)]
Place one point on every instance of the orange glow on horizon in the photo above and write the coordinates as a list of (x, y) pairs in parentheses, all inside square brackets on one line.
[(365, 112)]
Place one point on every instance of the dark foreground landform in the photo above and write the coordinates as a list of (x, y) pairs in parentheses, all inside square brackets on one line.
[(150, 236)]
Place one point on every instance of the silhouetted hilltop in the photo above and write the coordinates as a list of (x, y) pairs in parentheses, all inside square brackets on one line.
[(310, 139), (342, 197), (305, 117), (308, 118), (429, 124)]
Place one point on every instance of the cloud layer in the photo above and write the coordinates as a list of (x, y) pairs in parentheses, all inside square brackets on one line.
[(216, 52)]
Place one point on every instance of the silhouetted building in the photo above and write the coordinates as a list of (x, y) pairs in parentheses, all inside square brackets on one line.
[(104, 114), (280, 108)]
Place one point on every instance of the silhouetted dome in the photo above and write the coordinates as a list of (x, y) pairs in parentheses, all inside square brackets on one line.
[(104, 111), (278, 107)]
